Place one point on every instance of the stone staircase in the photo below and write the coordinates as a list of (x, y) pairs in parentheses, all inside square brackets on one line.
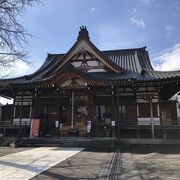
[(85, 142), (99, 131)]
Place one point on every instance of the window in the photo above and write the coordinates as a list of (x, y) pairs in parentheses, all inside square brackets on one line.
[(100, 110), (81, 99), (81, 113), (102, 100), (103, 112), (128, 114), (17, 112), (144, 110), (25, 112), (122, 113)]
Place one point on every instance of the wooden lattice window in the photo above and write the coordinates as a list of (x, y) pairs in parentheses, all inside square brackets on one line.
[(25, 111), (17, 112), (144, 110), (22, 112)]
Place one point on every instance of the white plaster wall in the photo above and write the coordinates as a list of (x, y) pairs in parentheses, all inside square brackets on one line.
[(178, 112), (147, 121), (0, 112)]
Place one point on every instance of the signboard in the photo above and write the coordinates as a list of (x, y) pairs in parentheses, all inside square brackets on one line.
[(56, 124), (112, 123), (107, 121), (147, 121), (88, 126), (35, 123)]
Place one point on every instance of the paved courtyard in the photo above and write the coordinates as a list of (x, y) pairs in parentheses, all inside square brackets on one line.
[(128, 163), (132, 163), (27, 164)]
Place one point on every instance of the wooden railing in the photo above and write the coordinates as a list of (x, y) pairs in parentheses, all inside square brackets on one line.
[(5, 123), (23, 123), (10, 123)]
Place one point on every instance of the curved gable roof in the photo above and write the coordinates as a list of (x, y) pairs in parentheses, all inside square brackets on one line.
[(124, 63), (130, 59)]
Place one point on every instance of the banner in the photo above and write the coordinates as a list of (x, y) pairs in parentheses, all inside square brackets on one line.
[(35, 123)]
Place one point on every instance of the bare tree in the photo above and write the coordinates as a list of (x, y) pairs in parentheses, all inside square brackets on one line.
[(12, 34)]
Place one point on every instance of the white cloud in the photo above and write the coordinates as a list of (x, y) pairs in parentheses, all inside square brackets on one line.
[(92, 9), (19, 68), (135, 10), (168, 60), (22, 68), (138, 22), (168, 27), (110, 37), (146, 1), (168, 30)]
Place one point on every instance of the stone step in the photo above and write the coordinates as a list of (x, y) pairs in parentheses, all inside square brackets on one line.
[(108, 143)]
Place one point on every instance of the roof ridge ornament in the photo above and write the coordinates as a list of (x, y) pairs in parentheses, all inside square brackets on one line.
[(83, 33)]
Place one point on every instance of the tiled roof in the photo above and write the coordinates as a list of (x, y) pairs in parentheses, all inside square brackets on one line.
[(161, 74), (135, 62), (130, 59), (127, 64)]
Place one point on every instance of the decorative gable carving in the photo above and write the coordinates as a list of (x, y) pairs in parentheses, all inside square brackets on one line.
[(87, 62), (74, 83), (86, 57), (71, 80)]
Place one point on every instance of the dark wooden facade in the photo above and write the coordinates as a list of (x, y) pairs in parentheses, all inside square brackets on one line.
[(98, 93)]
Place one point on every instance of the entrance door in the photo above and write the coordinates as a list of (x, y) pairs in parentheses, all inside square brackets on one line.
[(81, 118), (81, 113), (103, 117), (47, 117), (63, 114)]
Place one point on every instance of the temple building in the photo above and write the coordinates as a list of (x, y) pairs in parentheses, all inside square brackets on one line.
[(89, 92)]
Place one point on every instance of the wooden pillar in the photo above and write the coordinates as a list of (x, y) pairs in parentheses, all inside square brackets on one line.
[(113, 112), (118, 115), (160, 114), (21, 108), (112, 105), (36, 111), (90, 111), (160, 107), (89, 107), (14, 108), (137, 114), (58, 111), (152, 120), (137, 129), (20, 118), (72, 110), (93, 116)]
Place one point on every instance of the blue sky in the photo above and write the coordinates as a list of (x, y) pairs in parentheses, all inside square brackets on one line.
[(112, 24)]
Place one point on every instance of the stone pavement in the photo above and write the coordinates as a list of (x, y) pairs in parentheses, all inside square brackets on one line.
[(27, 164)]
